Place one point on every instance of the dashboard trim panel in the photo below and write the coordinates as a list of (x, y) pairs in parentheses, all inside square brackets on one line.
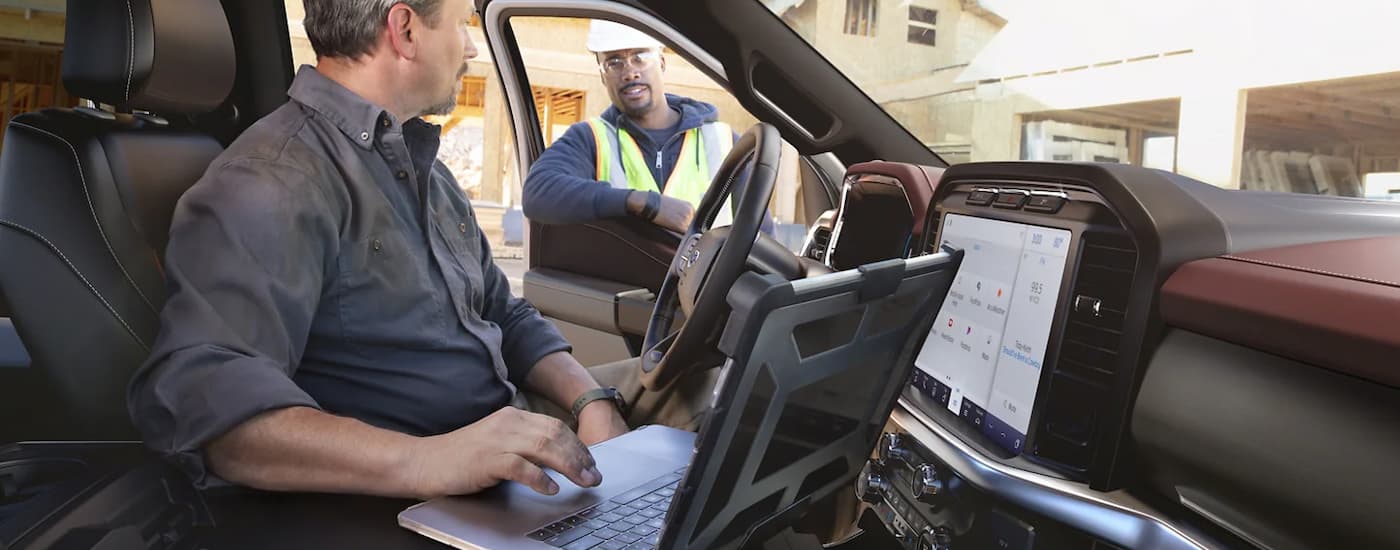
[(1339, 314), (1115, 516)]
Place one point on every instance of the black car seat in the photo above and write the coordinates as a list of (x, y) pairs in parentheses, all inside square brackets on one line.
[(86, 199)]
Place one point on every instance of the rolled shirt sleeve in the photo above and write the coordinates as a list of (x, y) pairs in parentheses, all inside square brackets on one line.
[(245, 266)]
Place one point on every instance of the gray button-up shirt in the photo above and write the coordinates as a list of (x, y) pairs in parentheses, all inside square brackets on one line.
[(327, 260)]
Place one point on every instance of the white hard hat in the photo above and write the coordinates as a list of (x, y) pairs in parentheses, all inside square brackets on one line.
[(607, 36)]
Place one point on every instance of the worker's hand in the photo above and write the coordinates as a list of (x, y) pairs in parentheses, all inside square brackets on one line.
[(509, 445), (674, 214), (600, 421)]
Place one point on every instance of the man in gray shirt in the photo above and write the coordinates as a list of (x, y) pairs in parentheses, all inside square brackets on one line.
[(336, 322)]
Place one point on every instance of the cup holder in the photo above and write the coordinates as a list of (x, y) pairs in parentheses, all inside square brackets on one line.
[(22, 479)]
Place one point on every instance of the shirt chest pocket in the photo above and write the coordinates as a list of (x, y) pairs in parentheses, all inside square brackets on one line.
[(383, 290)]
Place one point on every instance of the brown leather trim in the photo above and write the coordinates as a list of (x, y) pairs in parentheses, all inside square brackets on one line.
[(1334, 304), (919, 183)]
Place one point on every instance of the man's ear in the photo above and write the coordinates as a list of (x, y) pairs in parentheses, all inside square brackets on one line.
[(662, 54), (401, 22)]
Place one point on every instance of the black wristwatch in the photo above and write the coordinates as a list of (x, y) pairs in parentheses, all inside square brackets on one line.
[(600, 393), (652, 206)]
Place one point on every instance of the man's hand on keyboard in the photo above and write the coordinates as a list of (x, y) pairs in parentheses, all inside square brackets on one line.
[(506, 446)]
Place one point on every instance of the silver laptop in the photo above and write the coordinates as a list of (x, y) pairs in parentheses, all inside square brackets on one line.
[(780, 425), (640, 472)]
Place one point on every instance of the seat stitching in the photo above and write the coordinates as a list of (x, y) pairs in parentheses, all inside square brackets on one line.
[(93, 210), (1314, 271), (131, 49), (35, 234)]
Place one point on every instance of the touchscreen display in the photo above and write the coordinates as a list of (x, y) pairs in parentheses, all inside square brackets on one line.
[(983, 357)]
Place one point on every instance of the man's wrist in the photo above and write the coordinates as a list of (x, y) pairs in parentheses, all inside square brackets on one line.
[(609, 396), (644, 204), (636, 202), (598, 411)]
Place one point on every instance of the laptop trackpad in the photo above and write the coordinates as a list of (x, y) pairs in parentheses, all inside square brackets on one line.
[(511, 510)]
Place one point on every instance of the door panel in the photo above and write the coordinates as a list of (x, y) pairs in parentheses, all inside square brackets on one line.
[(600, 276), (593, 347)]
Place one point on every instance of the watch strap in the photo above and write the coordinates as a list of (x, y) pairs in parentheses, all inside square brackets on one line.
[(598, 394), (652, 207)]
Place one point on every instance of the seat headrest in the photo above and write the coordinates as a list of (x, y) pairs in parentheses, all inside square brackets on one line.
[(163, 56)]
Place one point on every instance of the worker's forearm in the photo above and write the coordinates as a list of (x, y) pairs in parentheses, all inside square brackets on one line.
[(304, 449)]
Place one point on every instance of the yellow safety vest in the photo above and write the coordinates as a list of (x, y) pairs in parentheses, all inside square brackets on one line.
[(620, 163)]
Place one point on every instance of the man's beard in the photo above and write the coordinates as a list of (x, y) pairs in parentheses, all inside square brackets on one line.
[(449, 104), (444, 108), (637, 111)]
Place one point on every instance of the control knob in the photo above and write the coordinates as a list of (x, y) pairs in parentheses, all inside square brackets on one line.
[(870, 485), (892, 448), (938, 538), (927, 485)]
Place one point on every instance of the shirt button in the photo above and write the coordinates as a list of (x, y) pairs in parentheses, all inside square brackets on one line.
[(462, 227), (376, 245), (385, 123), (402, 175), (364, 136)]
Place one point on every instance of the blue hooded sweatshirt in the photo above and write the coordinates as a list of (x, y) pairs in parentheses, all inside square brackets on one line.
[(561, 189)]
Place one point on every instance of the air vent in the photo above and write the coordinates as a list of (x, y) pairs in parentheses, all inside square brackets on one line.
[(1094, 332), (931, 230), (1088, 359), (817, 244)]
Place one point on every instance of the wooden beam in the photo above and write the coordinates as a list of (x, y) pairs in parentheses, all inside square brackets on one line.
[(15, 26), (1091, 117), (1312, 102)]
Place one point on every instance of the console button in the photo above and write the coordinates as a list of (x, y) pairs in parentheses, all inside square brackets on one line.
[(1045, 203), (981, 197), (1011, 199), (1008, 532), (938, 538)]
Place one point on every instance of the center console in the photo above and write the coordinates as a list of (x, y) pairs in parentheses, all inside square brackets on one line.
[(1012, 432)]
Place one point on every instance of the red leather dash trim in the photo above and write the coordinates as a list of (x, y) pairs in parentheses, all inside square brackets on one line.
[(1328, 304)]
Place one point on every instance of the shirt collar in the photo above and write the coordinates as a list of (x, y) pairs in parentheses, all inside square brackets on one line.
[(359, 119)]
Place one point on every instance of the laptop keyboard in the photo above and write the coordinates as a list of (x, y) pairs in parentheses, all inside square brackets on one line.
[(631, 520)]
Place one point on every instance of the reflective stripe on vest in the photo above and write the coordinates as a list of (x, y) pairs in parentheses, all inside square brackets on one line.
[(619, 162)]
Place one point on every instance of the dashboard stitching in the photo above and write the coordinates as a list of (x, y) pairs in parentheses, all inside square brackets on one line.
[(1311, 270)]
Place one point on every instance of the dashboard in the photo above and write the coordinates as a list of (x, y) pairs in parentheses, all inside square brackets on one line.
[(1073, 369)]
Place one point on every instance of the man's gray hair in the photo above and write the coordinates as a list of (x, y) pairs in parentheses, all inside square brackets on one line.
[(349, 28)]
